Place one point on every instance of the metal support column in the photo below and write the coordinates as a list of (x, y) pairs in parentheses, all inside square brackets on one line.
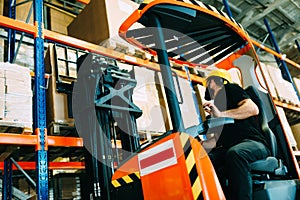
[(7, 180), (225, 2), (281, 63), (167, 77), (40, 104), (22, 35), (298, 45), (31, 181), (11, 34)]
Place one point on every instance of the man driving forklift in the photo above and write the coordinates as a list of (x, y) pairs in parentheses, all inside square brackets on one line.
[(239, 144)]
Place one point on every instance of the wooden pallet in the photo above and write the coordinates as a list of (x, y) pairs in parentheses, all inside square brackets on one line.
[(12, 127), (62, 129)]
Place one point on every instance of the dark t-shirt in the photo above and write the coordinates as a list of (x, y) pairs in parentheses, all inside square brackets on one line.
[(228, 98)]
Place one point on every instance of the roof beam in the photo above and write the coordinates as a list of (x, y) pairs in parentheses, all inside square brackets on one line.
[(270, 8), (291, 39)]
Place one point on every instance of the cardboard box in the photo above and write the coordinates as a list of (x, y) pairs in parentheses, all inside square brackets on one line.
[(22, 12), (57, 103), (25, 55), (59, 21), (18, 108), (100, 20), (296, 132)]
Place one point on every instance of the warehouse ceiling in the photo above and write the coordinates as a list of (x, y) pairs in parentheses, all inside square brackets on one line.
[(283, 17)]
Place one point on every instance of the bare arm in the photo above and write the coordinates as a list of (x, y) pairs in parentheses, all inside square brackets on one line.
[(247, 108)]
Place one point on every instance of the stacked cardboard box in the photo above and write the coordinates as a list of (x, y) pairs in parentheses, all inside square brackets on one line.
[(15, 96), (57, 103), (100, 20)]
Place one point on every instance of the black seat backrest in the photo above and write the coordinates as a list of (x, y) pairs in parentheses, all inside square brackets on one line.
[(253, 94)]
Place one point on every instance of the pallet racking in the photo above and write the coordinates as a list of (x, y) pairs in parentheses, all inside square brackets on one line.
[(41, 140)]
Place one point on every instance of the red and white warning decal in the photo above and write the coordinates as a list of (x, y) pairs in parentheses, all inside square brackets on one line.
[(157, 158)]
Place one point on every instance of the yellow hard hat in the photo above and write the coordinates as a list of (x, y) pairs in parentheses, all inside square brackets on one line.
[(222, 73)]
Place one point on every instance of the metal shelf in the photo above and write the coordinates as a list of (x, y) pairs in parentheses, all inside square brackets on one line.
[(80, 44), (52, 165), (286, 105), (19, 139), (43, 143)]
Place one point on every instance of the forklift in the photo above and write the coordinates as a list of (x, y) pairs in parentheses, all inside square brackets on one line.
[(175, 165)]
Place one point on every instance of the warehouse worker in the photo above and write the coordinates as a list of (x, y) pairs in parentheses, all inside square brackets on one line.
[(238, 144)]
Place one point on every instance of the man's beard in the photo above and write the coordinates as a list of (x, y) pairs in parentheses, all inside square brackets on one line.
[(208, 94)]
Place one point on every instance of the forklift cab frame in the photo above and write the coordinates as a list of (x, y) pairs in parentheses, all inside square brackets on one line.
[(196, 35)]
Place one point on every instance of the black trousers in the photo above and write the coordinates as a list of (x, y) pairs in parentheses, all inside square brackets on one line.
[(233, 165)]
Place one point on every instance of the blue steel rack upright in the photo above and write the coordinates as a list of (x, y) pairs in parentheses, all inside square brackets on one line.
[(40, 104), (11, 34), (280, 62)]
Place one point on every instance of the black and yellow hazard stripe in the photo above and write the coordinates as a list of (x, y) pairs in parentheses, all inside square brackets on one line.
[(144, 3), (126, 179), (191, 165)]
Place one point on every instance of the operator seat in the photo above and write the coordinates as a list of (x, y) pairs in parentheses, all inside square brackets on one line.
[(271, 164)]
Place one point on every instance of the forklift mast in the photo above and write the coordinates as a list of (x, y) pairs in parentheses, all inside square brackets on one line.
[(104, 113)]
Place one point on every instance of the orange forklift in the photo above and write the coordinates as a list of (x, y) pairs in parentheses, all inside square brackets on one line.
[(175, 165)]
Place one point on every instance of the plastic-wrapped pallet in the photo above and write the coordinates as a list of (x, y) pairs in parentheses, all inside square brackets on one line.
[(269, 81), (15, 96), (285, 89)]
